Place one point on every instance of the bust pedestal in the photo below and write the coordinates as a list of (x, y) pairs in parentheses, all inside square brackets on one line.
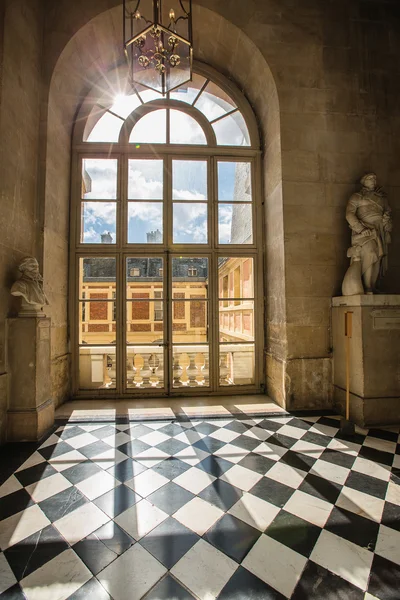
[(31, 409), (374, 358)]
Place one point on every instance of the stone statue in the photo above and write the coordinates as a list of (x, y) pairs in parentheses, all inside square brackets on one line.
[(30, 288), (369, 217)]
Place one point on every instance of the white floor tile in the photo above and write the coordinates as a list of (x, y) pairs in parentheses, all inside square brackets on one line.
[(151, 457), (191, 456), (141, 518), (285, 474), (270, 451), (45, 488), (97, 485), (67, 460), (311, 509), (232, 453), (131, 575), (116, 439), (81, 440), (393, 493), (258, 433), (349, 448), (254, 511), (224, 435), (22, 525), (32, 461), (81, 522), (378, 444), (147, 482), (109, 458), (348, 560), (293, 432), (204, 570), (396, 461), (361, 504), (154, 438), (241, 477), (307, 448), (368, 467), (276, 564), (9, 486), (194, 480), (57, 579), (330, 471), (324, 430), (198, 515), (189, 436), (7, 577), (388, 544), (51, 440)]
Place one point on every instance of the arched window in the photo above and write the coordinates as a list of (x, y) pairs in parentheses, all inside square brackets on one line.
[(166, 261)]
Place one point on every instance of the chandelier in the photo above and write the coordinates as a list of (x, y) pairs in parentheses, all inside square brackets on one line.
[(158, 43)]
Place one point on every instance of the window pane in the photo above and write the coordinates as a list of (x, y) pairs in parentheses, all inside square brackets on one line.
[(190, 223), (144, 277), (145, 222), (236, 321), (106, 129), (99, 222), (144, 319), (97, 274), (124, 105), (214, 103), (99, 178), (151, 129), (232, 131), (189, 180), (145, 179), (190, 277), (149, 95), (234, 181), (97, 367), (189, 321), (145, 367), (235, 278), (236, 364), (191, 366), (189, 91), (97, 319), (185, 130), (235, 224)]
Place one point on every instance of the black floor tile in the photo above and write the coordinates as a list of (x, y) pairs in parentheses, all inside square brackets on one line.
[(272, 491), (172, 446), (368, 485), (209, 444), (81, 471), (94, 449), (283, 441), (296, 533), (233, 537), (256, 462), (34, 551), (115, 538), (205, 428), (55, 450), (114, 502), (94, 553), (245, 442), (270, 425), (317, 583), (126, 470), (243, 585), (237, 426), (352, 527), (378, 456), (168, 589), (92, 590), (329, 422), (104, 432), (391, 516), (320, 488), (70, 432), (221, 494), (384, 579), (214, 465), (62, 503), (383, 434), (316, 438), (14, 503), (13, 593), (137, 431), (342, 459), (169, 542), (297, 460), (171, 429), (300, 424), (133, 448), (170, 497), (34, 474), (171, 467)]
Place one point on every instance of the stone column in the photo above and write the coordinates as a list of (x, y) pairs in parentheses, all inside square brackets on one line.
[(31, 410), (374, 358)]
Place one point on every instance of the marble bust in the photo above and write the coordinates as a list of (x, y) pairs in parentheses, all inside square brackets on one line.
[(30, 288), (369, 217)]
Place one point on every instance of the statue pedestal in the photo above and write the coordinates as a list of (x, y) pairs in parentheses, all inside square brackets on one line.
[(374, 358), (31, 409)]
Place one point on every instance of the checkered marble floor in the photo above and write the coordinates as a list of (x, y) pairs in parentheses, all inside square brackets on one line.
[(234, 509)]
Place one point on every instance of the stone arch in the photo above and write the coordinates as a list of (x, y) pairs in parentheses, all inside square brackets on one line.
[(84, 59)]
